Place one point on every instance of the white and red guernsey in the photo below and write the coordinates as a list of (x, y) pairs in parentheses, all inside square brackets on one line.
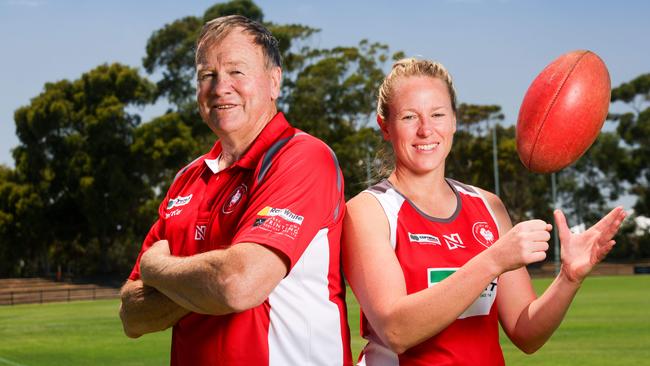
[(429, 249)]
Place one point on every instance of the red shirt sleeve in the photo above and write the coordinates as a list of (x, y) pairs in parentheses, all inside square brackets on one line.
[(155, 234), (301, 194)]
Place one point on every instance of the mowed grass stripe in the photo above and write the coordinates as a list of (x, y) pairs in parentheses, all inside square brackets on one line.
[(608, 324)]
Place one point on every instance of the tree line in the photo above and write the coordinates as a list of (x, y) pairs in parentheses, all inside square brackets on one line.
[(89, 173)]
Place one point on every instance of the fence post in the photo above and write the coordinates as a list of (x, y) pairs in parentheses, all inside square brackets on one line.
[(68, 295)]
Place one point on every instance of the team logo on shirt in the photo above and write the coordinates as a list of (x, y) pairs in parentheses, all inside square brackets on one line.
[(483, 234), (179, 201), (234, 199), (453, 241), (279, 221), (425, 239)]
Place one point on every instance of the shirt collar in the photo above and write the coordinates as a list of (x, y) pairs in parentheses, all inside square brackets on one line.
[(273, 129)]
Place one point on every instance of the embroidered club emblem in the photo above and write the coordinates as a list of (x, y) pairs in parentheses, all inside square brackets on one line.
[(483, 234), (234, 199)]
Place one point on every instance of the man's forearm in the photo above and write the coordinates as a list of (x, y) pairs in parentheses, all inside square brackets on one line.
[(200, 283), (145, 310), (216, 282)]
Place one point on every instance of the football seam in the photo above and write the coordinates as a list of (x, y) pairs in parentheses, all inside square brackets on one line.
[(550, 106)]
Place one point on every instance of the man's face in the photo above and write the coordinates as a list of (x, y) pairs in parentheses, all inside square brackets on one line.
[(236, 91)]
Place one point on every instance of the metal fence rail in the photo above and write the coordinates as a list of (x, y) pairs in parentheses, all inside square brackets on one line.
[(69, 293)]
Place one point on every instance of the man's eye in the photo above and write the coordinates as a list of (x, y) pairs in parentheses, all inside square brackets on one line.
[(206, 76)]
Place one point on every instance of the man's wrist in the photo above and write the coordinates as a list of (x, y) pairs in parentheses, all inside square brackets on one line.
[(152, 268)]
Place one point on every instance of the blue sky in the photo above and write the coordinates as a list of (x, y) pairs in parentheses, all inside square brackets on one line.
[(493, 48)]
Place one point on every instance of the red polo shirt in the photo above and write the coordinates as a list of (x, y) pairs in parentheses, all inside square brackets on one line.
[(285, 192)]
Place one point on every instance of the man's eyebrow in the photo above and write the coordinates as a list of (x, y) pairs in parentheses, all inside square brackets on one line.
[(207, 66)]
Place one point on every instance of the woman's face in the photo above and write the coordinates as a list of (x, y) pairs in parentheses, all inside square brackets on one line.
[(420, 123)]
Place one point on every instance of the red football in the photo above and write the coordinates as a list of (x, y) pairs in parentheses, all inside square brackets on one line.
[(563, 111)]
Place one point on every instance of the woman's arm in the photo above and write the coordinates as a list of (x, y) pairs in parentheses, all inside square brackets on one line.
[(530, 321)]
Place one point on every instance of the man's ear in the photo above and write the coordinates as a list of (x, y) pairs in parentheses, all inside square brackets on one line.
[(276, 82)]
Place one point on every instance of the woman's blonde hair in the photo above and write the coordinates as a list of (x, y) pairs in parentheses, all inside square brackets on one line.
[(407, 67)]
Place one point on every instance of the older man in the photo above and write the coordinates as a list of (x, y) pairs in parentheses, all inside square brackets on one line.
[(244, 260)]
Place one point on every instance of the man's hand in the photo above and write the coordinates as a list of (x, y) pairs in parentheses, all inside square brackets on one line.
[(145, 310), (581, 252)]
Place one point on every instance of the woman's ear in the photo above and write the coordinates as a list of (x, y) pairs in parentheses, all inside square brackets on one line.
[(383, 127)]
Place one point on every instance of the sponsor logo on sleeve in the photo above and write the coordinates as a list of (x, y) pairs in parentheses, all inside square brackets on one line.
[(279, 221), (234, 199), (483, 303), (425, 239), (179, 201), (284, 213), (453, 241), (483, 234)]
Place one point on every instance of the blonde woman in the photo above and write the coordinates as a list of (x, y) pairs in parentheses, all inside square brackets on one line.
[(436, 264)]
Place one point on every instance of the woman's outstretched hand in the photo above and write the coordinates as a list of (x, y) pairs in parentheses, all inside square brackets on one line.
[(581, 252)]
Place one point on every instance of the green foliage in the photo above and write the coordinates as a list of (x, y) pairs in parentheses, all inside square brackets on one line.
[(634, 129), (161, 147), (172, 50), (75, 154)]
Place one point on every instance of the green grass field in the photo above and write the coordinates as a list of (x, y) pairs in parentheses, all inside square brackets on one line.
[(608, 324)]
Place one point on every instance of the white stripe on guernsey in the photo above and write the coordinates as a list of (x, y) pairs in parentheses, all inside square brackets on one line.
[(305, 327), (461, 189), (391, 202), (377, 355), (489, 208)]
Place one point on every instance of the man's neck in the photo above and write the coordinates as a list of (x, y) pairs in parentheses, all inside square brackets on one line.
[(234, 145)]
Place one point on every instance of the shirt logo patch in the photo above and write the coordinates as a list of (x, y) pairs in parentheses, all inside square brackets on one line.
[(179, 201), (199, 232), (235, 198), (424, 239), (453, 241), (284, 213), (481, 305), (279, 221), (483, 234), (176, 212)]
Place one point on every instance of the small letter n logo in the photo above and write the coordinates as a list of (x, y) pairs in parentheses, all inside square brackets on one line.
[(199, 234)]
